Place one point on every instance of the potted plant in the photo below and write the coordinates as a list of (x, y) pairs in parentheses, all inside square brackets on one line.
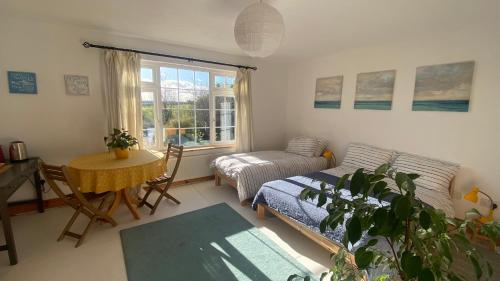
[(121, 142), (420, 240)]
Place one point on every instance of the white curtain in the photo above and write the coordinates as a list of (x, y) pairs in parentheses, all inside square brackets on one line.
[(244, 129), (122, 92)]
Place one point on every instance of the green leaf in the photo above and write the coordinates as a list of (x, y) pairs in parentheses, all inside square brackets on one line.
[(382, 169), (424, 219), (321, 199), (402, 209), (354, 229), (372, 242), (426, 275), (400, 179), (307, 278), (292, 277), (323, 224), (363, 258), (377, 178), (412, 265), (357, 182), (477, 267), (379, 187), (341, 182), (413, 176)]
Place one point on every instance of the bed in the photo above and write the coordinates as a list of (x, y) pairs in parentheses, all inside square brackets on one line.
[(281, 197), (247, 172)]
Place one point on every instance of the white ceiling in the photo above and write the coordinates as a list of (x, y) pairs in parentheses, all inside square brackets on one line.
[(313, 27)]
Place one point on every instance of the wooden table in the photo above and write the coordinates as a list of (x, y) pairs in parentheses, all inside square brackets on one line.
[(11, 178), (102, 172)]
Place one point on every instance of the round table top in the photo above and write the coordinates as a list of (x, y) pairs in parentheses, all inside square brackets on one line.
[(102, 172), (108, 161)]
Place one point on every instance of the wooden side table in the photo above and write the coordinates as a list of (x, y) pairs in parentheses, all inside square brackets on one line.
[(10, 181)]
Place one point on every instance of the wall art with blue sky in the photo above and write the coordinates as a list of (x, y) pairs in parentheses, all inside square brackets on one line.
[(22, 82)]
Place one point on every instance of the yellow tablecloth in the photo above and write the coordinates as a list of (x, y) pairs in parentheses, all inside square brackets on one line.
[(103, 172)]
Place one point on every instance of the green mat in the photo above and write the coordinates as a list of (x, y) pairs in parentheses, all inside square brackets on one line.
[(213, 243)]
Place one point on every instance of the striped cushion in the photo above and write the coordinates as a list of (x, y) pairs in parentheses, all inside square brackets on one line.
[(366, 156), (322, 144), (434, 174), (305, 146)]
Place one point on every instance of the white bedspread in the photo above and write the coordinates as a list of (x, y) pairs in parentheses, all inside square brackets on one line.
[(251, 170)]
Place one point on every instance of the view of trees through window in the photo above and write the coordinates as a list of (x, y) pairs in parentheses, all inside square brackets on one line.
[(181, 107)]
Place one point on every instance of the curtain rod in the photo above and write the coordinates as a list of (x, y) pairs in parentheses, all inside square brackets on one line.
[(90, 45)]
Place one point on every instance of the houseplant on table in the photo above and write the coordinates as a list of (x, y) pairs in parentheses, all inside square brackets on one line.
[(121, 142), (419, 239)]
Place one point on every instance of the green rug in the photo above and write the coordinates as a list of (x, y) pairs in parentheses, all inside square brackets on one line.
[(213, 243)]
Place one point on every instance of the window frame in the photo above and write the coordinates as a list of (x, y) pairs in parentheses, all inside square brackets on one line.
[(155, 87)]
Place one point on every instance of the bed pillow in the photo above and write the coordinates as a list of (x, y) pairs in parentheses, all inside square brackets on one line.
[(366, 156), (322, 144), (305, 146), (434, 174)]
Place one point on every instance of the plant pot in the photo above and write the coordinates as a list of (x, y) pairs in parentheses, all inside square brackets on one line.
[(121, 153)]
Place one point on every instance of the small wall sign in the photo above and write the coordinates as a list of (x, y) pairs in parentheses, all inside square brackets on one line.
[(22, 82), (77, 85)]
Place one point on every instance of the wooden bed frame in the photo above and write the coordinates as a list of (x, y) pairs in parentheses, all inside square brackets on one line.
[(331, 246), (219, 177)]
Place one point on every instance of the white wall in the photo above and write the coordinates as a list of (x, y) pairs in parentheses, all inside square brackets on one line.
[(471, 139), (58, 127)]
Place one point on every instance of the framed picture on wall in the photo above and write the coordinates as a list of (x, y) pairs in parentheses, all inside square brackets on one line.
[(77, 85), (328, 92), (374, 90), (22, 82), (443, 87)]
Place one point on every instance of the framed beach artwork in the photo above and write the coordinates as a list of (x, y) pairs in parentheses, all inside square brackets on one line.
[(76, 85), (374, 90), (443, 87), (328, 92), (22, 82)]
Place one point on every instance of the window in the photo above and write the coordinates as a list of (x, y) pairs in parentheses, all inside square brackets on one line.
[(186, 105)]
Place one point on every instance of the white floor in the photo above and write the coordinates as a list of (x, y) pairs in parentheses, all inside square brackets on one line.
[(100, 257)]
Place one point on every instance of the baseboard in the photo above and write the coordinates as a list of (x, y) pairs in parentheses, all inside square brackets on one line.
[(17, 208)]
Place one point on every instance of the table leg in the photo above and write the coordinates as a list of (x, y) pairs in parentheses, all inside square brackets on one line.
[(9, 235), (130, 205), (116, 202), (39, 191)]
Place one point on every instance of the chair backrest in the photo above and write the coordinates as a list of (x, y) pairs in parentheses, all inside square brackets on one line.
[(174, 151), (53, 174)]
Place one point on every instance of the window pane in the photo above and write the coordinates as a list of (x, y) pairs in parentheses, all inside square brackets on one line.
[(224, 118), (187, 118), (171, 135), (186, 99), (224, 102), (220, 81), (203, 136), (224, 134), (168, 77), (148, 121), (188, 137), (170, 118), (229, 82), (202, 118), (169, 98), (146, 74), (202, 100), (201, 80), (186, 79)]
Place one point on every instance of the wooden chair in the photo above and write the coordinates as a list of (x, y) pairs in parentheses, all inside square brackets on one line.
[(163, 183), (76, 200)]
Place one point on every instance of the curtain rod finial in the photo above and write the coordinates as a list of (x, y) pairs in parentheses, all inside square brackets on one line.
[(86, 44)]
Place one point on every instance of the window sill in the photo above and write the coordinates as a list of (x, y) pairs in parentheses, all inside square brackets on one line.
[(208, 148)]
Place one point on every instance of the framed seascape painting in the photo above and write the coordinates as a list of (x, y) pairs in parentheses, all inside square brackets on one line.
[(328, 92), (22, 82), (374, 90), (443, 87)]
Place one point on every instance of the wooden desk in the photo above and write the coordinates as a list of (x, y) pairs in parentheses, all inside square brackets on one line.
[(10, 181)]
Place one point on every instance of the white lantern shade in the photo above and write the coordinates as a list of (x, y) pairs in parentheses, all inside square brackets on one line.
[(259, 30)]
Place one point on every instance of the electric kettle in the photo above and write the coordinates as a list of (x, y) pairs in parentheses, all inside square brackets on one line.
[(17, 151)]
